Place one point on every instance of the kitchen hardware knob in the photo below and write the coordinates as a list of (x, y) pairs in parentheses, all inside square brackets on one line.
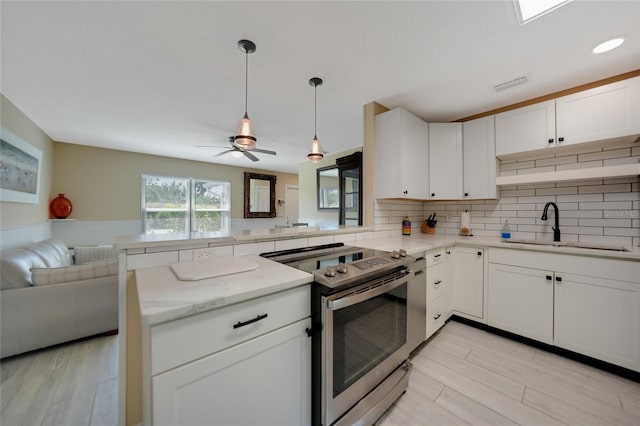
[(466, 194), (437, 255), (433, 194), (479, 253), (550, 140), (437, 316), (251, 321), (395, 255), (448, 251), (405, 192), (342, 268), (560, 139), (549, 277), (309, 331), (559, 279), (403, 253), (437, 282), (330, 271)]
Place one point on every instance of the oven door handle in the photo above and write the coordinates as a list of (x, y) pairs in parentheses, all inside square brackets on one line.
[(344, 302)]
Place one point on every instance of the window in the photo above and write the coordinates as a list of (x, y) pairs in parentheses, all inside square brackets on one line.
[(528, 10), (174, 204)]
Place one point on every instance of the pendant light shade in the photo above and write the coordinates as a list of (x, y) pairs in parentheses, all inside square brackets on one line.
[(244, 137), (316, 153)]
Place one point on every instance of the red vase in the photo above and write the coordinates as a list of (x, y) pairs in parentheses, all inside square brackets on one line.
[(60, 207)]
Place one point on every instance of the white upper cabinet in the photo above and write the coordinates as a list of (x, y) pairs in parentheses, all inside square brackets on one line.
[(479, 158), (445, 160), (600, 113), (401, 156), (605, 112), (526, 129)]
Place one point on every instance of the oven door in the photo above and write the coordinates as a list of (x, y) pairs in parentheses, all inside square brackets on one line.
[(364, 339)]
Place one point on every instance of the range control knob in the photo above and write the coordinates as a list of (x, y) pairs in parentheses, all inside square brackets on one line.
[(330, 271), (403, 253), (342, 268), (395, 255)]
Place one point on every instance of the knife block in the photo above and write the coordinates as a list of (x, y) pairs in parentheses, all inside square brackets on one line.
[(426, 229)]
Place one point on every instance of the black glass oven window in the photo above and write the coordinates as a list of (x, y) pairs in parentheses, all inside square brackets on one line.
[(365, 334)]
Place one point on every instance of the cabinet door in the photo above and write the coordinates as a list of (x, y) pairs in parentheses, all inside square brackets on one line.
[(479, 158), (445, 160), (387, 154), (266, 381), (603, 112), (468, 280), (526, 129), (415, 158), (598, 317), (521, 301)]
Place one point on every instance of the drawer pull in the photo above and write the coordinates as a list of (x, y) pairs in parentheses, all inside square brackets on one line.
[(437, 255), (437, 316), (251, 321), (437, 282)]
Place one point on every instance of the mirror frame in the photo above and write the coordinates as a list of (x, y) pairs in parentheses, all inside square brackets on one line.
[(318, 192), (272, 195)]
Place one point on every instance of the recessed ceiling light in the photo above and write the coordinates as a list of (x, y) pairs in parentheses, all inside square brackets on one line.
[(608, 45)]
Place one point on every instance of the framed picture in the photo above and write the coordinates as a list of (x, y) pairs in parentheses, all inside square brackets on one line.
[(20, 169)]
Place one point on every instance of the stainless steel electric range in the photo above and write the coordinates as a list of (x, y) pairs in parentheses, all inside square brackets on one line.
[(360, 321)]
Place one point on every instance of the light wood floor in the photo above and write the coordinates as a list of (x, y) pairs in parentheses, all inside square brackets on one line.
[(73, 384), (468, 376), (461, 376)]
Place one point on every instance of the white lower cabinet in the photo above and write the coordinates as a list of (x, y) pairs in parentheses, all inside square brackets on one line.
[(243, 364), (439, 288), (521, 301), (468, 280), (584, 304), (263, 381)]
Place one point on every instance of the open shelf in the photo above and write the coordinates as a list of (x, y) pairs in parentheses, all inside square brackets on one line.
[(622, 170)]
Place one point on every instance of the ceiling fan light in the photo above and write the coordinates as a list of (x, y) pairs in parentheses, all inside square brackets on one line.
[(236, 154), (245, 137), (316, 154)]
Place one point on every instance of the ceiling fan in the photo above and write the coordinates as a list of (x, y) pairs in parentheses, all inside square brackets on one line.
[(238, 150)]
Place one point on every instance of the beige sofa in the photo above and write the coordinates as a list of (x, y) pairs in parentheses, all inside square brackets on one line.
[(51, 295)]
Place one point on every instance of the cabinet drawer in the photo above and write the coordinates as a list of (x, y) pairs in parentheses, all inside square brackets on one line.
[(436, 315), (435, 257), (437, 283), (181, 341)]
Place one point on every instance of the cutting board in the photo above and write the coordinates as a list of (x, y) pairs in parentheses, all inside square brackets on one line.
[(194, 270)]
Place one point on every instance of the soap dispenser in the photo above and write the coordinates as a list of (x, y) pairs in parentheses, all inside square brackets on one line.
[(506, 231)]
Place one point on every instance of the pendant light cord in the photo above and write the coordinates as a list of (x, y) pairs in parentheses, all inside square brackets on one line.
[(315, 112), (246, 81)]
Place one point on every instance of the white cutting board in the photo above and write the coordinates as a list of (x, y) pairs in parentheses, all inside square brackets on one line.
[(193, 270)]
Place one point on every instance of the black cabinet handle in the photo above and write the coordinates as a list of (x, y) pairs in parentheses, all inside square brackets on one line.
[(466, 194), (559, 279), (448, 252), (433, 194), (309, 331), (560, 139), (550, 140), (405, 192), (251, 321), (549, 277), (437, 316), (479, 253), (437, 282), (437, 255)]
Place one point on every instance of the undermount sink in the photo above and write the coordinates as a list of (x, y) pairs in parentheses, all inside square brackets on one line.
[(593, 246)]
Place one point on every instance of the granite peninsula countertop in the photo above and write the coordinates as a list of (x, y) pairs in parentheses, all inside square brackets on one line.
[(163, 297)]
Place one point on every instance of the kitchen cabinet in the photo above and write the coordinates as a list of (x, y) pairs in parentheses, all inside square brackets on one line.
[(587, 305), (479, 159), (521, 301), (439, 289), (445, 160), (401, 156), (468, 282), (605, 112), (208, 368)]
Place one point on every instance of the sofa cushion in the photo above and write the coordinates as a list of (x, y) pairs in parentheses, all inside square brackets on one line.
[(86, 254), (46, 276), (53, 252), (15, 268)]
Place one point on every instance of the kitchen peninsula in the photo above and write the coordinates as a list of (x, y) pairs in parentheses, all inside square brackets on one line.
[(145, 259)]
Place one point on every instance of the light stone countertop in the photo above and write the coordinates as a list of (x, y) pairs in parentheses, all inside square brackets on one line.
[(163, 297)]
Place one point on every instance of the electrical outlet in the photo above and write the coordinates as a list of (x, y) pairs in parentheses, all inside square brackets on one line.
[(206, 253)]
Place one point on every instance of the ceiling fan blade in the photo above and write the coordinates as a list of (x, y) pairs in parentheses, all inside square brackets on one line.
[(211, 146), (264, 151), (250, 156), (223, 153)]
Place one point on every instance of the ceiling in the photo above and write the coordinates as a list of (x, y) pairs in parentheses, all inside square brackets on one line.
[(161, 77)]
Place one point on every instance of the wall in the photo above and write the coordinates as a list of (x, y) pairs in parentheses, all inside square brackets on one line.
[(308, 191), (601, 210), (104, 186), (22, 223)]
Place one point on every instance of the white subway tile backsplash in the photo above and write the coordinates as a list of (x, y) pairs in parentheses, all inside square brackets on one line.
[(617, 153), (619, 161), (574, 166), (567, 159), (619, 223), (580, 197), (622, 196), (569, 190), (601, 189)]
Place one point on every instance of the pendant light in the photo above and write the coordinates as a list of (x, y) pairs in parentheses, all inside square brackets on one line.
[(244, 138), (316, 150)]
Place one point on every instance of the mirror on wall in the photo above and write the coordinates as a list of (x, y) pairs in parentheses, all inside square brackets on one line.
[(259, 195), (328, 188), (350, 181)]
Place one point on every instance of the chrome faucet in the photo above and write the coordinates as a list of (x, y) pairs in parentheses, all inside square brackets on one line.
[(556, 229)]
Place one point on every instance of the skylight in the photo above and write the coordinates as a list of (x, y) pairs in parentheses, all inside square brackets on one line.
[(529, 10)]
